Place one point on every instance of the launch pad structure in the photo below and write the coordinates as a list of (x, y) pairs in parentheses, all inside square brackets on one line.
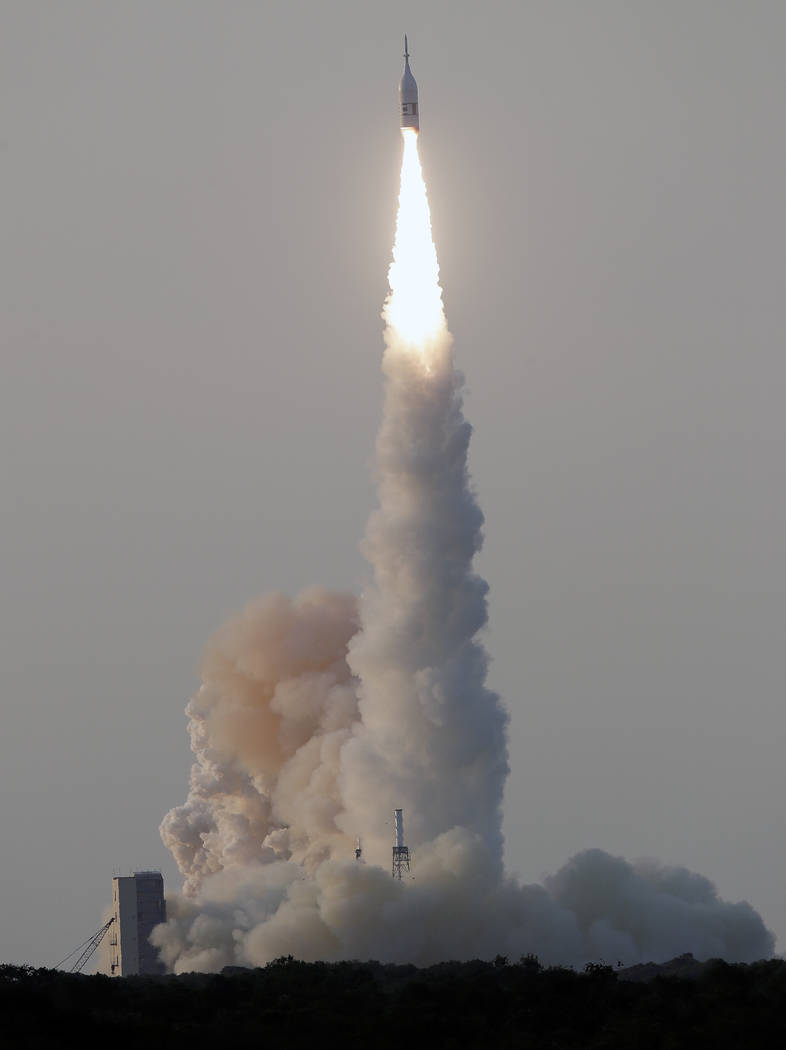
[(138, 905), (400, 851)]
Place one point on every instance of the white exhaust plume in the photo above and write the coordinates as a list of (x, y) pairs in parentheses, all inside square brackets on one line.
[(318, 717)]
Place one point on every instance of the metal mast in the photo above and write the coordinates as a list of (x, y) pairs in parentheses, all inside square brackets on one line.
[(400, 851)]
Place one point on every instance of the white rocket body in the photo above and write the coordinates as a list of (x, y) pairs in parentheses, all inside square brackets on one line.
[(408, 95)]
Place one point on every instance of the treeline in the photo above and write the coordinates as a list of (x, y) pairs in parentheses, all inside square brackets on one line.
[(291, 1004)]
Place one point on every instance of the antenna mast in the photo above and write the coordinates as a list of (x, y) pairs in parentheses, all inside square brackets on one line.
[(400, 851)]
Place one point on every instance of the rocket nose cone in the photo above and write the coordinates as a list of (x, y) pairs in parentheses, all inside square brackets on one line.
[(408, 88), (407, 78)]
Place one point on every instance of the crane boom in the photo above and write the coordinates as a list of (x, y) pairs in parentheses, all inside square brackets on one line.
[(86, 949)]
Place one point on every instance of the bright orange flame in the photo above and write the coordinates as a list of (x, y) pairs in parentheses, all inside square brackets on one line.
[(414, 307)]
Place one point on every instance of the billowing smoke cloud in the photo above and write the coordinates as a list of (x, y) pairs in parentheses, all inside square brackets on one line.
[(596, 907), (318, 716), (430, 737), (276, 705)]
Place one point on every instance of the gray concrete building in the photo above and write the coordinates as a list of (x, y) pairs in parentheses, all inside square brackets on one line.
[(137, 906)]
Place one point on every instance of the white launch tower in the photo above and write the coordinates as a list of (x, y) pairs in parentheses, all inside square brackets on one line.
[(400, 851), (137, 906)]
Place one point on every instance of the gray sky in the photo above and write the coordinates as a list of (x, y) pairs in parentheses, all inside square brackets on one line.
[(196, 222)]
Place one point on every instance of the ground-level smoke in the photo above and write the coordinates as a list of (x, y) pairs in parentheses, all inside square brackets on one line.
[(270, 871), (319, 716)]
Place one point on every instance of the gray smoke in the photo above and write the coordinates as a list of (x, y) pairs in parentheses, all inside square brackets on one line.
[(596, 907), (430, 736), (318, 716)]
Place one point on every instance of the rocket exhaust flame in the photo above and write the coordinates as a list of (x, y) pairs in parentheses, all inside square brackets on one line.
[(414, 311), (316, 716)]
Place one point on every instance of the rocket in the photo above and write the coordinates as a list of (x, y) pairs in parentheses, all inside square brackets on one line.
[(408, 95)]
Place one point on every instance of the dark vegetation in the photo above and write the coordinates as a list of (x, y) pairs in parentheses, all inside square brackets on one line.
[(291, 1004)]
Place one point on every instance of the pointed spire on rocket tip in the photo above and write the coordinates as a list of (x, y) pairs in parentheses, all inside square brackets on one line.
[(408, 94)]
